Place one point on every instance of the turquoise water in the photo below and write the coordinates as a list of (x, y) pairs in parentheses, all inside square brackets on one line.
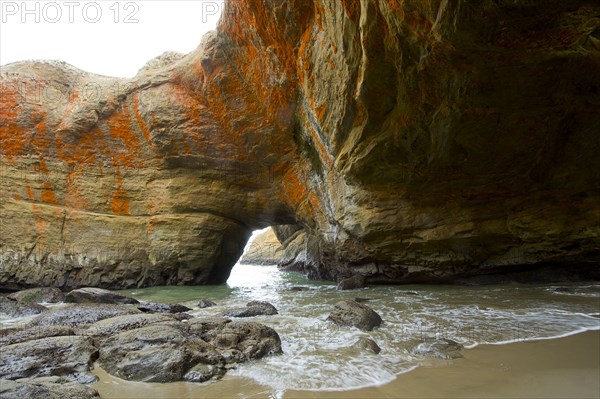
[(317, 354)]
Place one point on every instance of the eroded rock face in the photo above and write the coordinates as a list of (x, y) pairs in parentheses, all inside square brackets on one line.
[(40, 388), (68, 357), (422, 140)]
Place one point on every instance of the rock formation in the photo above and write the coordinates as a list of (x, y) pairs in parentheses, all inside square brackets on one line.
[(265, 249), (410, 140)]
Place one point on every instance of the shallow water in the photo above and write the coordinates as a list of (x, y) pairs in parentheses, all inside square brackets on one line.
[(317, 354)]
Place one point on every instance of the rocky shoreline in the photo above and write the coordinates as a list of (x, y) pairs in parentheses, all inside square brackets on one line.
[(53, 352)]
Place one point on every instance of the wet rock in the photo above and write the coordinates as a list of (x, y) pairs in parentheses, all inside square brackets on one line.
[(38, 388), (204, 372), (98, 295), (353, 283), (443, 348), (352, 313), (38, 295), (149, 354), (151, 307), (207, 328), (197, 350), (206, 303), (366, 344), (118, 324), (68, 357), (81, 314), (254, 308), (10, 336), (253, 340), (17, 309)]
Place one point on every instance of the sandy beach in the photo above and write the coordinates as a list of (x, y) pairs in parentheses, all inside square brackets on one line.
[(566, 367)]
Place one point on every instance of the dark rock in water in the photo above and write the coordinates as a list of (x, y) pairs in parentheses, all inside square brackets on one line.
[(408, 293), (252, 340), (367, 344), (67, 357), (17, 309), (151, 307), (206, 303), (361, 300), (38, 388), (81, 314), (442, 348), (10, 336), (38, 295), (254, 308), (197, 350), (352, 313), (98, 295), (355, 282)]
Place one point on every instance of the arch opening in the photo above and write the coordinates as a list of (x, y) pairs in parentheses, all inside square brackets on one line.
[(263, 249)]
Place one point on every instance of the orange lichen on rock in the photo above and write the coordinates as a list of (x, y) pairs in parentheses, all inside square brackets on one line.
[(119, 204), (48, 196), (12, 138), (123, 134)]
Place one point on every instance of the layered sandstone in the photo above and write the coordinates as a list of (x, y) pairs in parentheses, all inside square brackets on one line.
[(412, 140)]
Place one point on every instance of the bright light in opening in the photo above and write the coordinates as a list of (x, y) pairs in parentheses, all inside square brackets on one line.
[(114, 38)]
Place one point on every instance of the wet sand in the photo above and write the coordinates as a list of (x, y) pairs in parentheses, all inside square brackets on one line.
[(559, 368)]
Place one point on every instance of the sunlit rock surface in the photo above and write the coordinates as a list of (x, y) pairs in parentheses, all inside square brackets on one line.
[(265, 249), (413, 141)]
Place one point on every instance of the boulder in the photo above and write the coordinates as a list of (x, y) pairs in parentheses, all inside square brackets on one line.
[(442, 348), (17, 309), (68, 357), (196, 351), (38, 388), (254, 308), (98, 295), (80, 314), (154, 354), (10, 336), (353, 283), (38, 295), (366, 344), (206, 303), (248, 340), (352, 313)]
